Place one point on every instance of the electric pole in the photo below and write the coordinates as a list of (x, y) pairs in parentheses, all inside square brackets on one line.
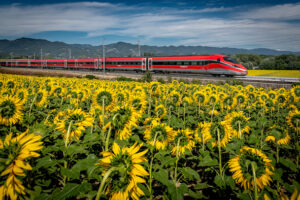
[(103, 55), (139, 49), (41, 57), (70, 53)]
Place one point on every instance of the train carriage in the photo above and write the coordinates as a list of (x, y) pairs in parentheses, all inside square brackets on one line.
[(214, 64), (133, 64)]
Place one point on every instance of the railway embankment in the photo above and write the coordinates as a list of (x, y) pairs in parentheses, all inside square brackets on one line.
[(257, 81)]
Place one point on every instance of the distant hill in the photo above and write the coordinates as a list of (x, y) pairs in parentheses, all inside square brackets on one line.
[(28, 47)]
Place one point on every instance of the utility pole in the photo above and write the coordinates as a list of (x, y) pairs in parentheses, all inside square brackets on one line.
[(41, 57), (103, 55), (70, 53), (139, 49)]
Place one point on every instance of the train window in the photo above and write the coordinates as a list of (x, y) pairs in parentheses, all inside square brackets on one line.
[(194, 63), (199, 63), (229, 59)]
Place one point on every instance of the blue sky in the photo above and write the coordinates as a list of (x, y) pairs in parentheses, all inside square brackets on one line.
[(233, 23)]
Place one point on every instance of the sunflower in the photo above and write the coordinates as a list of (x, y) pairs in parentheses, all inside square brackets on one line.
[(272, 94), (242, 171), (295, 92), (279, 135), (138, 102), (160, 111), (159, 134), (103, 98), (154, 88), (199, 97), (22, 94), (128, 172), (241, 99), (229, 102), (212, 98), (210, 133), (294, 196), (198, 134), (237, 123), (174, 97), (187, 101), (10, 110), (123, 119), (183, 140), (41, 97), (281, 99), (121, 97), (293, 120), (73, 121), (14, 153)]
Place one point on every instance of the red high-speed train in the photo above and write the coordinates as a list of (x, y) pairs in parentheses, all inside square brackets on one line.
[(214, 64)]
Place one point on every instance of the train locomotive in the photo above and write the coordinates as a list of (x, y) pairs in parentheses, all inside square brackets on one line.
[(215, 65)]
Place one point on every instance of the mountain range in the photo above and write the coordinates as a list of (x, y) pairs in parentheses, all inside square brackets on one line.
[(25, 47)]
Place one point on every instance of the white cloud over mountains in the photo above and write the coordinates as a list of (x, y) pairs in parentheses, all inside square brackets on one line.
[(276, 27)]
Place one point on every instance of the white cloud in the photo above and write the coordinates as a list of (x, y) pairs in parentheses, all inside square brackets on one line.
[(279, 12), (255, 28)]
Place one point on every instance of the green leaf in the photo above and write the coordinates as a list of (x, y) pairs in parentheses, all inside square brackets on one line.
[(162, 176), (219, 181), (288, 163), (201, 186), (168, 161), (229, 181), (197, 195), (45, 162), (72, 190), (207, 161), (86, 164), (190, 174)]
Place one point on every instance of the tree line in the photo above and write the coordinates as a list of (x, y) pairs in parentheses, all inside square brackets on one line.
[(281, 62)]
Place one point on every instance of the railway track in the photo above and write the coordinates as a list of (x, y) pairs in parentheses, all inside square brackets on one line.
[(258, 81)]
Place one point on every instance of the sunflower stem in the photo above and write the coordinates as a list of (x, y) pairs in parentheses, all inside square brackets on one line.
[(261, 137), (212, 113), (184, 115), (199, 107), (277, 154), (240, 132), (151, 162), (203, 146), (177, 158), (149, 106), (255, 183), (68, 134), (297, 133), (106, 175), (103, 112), (220, 153), (107, 138), (169, 116), (34, 99)]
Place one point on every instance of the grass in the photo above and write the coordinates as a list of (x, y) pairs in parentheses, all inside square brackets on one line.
[(275, 73)]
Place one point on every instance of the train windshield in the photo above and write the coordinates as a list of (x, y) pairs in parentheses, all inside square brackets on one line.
[(229, 59)]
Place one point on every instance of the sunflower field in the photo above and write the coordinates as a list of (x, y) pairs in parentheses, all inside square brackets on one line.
[(74, 138)]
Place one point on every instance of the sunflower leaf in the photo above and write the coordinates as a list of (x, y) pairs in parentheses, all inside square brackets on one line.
[(72, 190), (190, 174)]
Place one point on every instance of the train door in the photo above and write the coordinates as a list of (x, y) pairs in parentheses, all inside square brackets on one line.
[(144, 64), (28, 63), (76, 63), (65, 63), (150, 64)]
